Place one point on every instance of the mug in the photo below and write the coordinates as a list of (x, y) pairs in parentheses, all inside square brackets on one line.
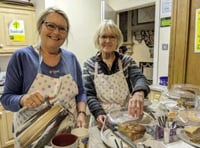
[(64, 140), (83, 135)]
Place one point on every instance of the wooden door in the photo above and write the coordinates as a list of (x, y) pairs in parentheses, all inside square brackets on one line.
[(183, 62)]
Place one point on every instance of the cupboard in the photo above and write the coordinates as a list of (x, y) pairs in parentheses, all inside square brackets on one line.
[(18, 27), (6, 135)]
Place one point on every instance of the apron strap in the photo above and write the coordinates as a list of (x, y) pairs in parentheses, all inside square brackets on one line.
[(96, 69), (120, 64)]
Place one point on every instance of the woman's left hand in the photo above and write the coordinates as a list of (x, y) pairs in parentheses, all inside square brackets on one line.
[(81, 120), (136, 103)]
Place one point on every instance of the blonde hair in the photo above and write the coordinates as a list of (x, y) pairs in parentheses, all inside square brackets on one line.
[(110, 26)]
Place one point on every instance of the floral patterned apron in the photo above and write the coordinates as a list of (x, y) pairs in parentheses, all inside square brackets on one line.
[(112, 90), (63, 89)]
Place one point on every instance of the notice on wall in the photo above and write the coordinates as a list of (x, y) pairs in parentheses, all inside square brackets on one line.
[(166, 6), (197, 32), (17, 31)]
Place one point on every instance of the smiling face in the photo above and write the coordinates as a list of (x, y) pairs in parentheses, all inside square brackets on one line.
[(108, 37), (52, 32), (107, 42)]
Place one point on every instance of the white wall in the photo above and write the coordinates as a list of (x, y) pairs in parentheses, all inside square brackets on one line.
[(163, 54)]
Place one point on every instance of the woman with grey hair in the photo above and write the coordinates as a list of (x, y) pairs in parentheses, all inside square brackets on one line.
[(113, 80)]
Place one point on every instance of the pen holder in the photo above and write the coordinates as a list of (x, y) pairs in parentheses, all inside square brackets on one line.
[(167, 134), (159, 132)]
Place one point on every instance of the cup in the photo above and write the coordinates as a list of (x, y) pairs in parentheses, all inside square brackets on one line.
[(83, 135), (166, 135), (64, 140)]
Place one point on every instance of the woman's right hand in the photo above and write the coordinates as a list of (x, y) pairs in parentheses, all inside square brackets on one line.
[(100, 120), (32, 100)]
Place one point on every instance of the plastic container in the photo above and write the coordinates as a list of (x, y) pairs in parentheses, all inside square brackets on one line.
[(163, 80)]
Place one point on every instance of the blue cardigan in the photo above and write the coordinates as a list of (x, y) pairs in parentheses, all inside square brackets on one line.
[(23, 68)]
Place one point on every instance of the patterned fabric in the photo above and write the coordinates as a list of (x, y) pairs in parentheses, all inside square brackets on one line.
[(63, 89), (112, 90)]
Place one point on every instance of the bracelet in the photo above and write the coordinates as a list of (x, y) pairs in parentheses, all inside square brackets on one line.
[(83, 112)]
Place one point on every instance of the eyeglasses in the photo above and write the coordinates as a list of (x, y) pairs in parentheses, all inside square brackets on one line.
[(52, 27), (110, 37)]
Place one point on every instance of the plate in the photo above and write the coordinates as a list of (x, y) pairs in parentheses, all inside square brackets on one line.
[(189, 117), (109, 139), (181, 134)]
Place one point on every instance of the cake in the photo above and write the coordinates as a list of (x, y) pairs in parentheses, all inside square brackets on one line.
[(133, 131), (193, 132)]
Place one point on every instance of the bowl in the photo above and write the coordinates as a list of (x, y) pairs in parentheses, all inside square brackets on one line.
[(118, 116)]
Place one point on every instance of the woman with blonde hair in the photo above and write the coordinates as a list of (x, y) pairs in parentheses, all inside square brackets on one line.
[(112, 80)]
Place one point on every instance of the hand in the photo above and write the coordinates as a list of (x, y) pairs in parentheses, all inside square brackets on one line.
[(32, 100), (81, 120), (100, 120), (136, 103)]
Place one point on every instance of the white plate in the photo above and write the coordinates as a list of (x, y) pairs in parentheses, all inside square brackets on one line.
[(181, 134), (109, 139)]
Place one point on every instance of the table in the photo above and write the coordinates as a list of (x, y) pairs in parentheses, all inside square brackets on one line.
[(96, 142)]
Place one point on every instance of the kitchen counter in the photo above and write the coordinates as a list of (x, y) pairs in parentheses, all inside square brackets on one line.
[(94, 142)]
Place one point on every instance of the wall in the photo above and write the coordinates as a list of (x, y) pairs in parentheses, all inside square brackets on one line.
[(4, 62), (163, 54)]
